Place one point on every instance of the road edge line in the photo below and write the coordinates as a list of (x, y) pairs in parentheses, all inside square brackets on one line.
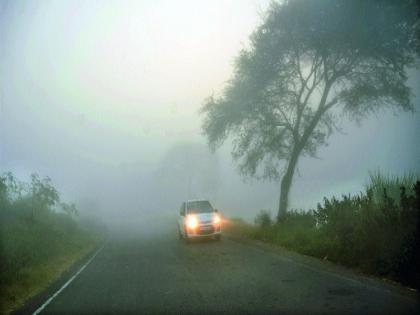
[(45, 304)]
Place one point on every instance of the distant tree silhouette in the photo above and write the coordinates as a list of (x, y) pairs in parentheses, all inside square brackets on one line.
[(308, 62)]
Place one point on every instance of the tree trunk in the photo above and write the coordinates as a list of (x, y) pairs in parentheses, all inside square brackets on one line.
[(286, 183)]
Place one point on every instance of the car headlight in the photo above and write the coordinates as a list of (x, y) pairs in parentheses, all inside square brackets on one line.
[(192, 222), (216, 219)]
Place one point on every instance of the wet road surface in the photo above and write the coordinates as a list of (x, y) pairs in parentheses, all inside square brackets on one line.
[(160, 274)]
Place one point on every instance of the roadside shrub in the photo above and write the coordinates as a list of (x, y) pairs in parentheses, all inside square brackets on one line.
[(377, 236), (263, 218), (337, 220), (295, 218), (33, 228)]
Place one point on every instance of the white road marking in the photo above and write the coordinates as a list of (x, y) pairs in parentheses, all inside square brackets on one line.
[(41, 308)]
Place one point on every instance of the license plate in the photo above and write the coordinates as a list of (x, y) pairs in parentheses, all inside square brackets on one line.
[(206, 228)]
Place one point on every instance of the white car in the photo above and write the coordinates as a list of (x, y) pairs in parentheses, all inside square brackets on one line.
[(197, 218)]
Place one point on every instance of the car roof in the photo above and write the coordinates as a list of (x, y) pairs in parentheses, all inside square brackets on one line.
[(195, 200)]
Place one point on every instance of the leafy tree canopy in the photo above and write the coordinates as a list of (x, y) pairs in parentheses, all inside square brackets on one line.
[(308, 62)]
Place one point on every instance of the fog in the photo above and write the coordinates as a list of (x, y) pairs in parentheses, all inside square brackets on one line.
[(104, 98)]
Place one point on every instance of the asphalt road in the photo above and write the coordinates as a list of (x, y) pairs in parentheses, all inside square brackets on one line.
[(157, 273)]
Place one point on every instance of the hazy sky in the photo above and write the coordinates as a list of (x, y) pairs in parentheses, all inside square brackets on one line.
[(97, 94), (109, 74)]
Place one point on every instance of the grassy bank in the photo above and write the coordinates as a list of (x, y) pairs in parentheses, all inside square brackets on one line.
[(40, 237), (376, 232)]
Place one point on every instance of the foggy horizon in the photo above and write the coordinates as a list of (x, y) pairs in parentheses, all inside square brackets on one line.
[(104, 99)]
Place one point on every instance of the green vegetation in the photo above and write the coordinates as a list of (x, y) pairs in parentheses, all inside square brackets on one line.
[(307, 64), (372, 232), (40, 237)]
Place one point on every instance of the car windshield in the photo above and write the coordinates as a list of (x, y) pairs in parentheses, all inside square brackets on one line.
[(199, 207)]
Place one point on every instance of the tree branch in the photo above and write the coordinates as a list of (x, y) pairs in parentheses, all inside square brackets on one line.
[(322, 108), (301, 105)]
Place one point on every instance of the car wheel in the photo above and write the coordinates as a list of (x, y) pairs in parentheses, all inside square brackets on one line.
[(218, 237), (181, 237)]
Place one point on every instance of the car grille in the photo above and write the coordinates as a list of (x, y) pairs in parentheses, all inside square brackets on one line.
[(204, 230)]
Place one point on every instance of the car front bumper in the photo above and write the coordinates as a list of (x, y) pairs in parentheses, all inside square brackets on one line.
[(205, 230)]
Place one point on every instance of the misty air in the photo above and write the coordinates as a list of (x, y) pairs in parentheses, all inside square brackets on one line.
[(240, 156)]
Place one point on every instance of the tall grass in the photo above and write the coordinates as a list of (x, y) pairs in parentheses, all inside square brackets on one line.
[(379, 182)]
